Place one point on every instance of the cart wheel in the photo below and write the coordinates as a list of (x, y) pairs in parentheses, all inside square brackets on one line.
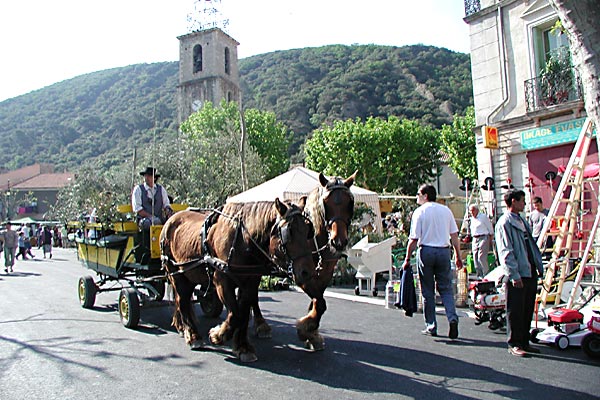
[(562, 342), (357, 291), (87, 291), (211, 304), (375, 292), (160, 288), (591, 345), (129, 308), (533, 335)]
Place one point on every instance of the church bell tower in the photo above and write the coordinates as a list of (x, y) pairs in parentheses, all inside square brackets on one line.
[(208, 63)]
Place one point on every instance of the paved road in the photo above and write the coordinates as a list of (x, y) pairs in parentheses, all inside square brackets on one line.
[(51, 348)]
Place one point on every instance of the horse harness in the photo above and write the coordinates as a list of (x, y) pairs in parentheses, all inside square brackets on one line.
[(213, 264)]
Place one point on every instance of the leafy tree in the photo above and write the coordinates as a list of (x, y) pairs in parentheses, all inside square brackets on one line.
[(580, 20), (458, 142), (392, 155), (270, 139), (203, 166), (92, 190)]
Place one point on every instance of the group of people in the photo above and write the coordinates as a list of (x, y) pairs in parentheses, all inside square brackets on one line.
[(434, 234)]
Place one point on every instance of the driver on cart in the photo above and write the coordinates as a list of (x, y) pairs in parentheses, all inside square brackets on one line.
[(151, 204)]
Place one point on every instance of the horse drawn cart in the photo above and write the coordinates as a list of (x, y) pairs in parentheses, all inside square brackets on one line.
[(126, 261)]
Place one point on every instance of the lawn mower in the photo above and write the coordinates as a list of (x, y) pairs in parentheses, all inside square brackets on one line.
[(566, 328), (488, 302)]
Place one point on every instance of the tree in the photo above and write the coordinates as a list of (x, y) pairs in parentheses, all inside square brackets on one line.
[(580, 19), (203, 166), (91, 190), (458, 142), (270, 139), (391, 155)]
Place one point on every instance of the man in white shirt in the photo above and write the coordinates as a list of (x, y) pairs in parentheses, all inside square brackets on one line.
[(482, 234), (433, 229), (150, 200)]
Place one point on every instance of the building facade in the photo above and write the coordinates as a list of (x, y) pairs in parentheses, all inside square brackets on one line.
[(31, 191), (208, 70), (526, 91)]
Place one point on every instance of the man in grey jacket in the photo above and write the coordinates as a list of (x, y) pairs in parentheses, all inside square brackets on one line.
[(521, 261)]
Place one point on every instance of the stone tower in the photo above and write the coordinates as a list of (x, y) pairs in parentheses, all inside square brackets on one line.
[(208, 70)]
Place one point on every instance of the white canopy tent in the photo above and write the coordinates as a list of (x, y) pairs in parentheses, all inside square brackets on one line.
[(299, 182)]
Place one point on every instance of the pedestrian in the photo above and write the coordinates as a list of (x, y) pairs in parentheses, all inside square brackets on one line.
[(22, 250), (47, 241), (10, 242), (537, 217), (482, 234), (26, 230), (521, 261), (433, 230)]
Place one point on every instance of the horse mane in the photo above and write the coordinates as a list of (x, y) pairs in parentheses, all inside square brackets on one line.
[(315, 208), (258, 217)]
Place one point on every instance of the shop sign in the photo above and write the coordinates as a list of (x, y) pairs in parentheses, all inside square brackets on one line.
[(551, 135), (490, 137)]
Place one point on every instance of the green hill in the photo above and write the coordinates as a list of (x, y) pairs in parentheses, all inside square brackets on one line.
[(101, 116)]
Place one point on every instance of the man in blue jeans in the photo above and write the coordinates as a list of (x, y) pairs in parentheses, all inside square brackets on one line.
[(433, 229)]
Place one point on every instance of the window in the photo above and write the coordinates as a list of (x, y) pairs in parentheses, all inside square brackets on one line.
[(227, 61), (197, 58), (549, 44)]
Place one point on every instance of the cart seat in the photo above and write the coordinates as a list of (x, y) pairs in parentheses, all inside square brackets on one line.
[(112, 241)]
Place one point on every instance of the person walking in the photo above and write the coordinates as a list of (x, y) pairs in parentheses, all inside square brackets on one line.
[(9, 242), (521, 261), (22, 250), (47, 241), (433, 230), (27, 233), (482, 234)]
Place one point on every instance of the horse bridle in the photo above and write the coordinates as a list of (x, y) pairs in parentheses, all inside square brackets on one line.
[(283, 235), (339, 185)]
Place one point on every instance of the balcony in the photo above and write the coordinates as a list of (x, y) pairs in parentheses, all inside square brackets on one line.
[(472, 6), (552, 89)]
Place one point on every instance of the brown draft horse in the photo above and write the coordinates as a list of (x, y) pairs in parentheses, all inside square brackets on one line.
[(242, 243), (330, 208)]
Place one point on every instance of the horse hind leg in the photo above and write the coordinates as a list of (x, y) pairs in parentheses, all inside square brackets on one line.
[(307, 328), (262, 330)]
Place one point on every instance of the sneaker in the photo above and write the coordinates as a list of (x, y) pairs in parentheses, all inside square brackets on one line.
[(453, 333), (6, 270), (429, 332), (516, 351), (50, 255), (11, 269)]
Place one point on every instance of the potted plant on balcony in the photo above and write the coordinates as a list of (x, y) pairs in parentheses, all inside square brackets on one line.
[(556, 78)]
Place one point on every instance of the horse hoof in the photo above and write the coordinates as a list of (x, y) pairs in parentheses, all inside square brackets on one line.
[(263, 332), (214, 336), (196, 345), (247, 357), (314, 345)]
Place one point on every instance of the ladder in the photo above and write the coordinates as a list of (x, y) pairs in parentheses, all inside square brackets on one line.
[(570, 233)]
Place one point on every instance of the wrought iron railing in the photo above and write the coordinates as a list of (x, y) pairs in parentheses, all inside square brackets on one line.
[(548, 90), (472, 6)]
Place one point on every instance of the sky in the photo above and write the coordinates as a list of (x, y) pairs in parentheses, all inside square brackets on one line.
[(43, 42)]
